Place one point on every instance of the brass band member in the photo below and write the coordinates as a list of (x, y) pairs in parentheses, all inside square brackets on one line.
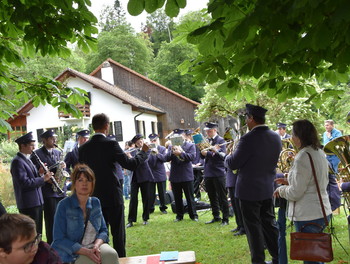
[(49, 156), (27, 181), (214, 175)]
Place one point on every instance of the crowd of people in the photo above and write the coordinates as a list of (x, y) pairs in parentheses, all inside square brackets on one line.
[(103, 175)]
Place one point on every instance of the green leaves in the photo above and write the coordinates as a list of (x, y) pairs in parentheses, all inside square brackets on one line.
[(172, 7)]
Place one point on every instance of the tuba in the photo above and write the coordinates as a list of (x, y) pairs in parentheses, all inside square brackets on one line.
[(286, 157), (61, 174), (340, 146)]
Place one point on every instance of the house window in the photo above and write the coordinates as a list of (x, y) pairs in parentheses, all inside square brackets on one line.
[(38, 133), (160, 129), (140, 127), (118, 130), (110, 131), (154, 127)]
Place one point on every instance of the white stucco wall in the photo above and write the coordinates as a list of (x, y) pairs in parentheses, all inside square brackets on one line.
[(101, 102)]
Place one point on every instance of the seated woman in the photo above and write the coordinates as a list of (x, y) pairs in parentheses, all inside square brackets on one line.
[(80, 233), (20, 244), (300, 187)]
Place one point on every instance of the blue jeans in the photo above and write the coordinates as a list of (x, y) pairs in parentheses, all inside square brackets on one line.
[(126, 187), (334, 160), (282, 245), (311, 229)]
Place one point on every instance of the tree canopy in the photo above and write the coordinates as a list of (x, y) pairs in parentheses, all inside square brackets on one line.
[(287, 46), (47, 28)]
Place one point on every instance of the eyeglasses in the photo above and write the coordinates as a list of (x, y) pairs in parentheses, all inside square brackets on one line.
[(29, 246)]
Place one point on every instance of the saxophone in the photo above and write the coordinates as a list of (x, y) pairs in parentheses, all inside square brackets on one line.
[(61, 174)]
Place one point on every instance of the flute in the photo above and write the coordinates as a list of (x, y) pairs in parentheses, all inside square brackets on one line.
[(222, 144), (54, 182)]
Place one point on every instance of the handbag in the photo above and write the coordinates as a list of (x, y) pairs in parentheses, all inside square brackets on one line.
[(312, 246)]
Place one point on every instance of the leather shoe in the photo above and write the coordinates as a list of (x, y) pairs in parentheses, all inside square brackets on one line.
[(235, 230), (224, 223), (129, 225), (239, 233), (145, 223), (177, 220), (268, 262), (195, 219), (164, 212), (213, 220)]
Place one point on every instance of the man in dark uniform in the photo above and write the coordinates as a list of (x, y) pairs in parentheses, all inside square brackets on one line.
[(181, 176), (214, 175), (156, 164), (281, 128), (49, 156), (141, 178), (27, 182), (72, 157), (101, 155), (256, 157)]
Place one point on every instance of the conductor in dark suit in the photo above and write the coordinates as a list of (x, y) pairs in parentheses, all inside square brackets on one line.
[(214, 175), (49, 156), (72, 157), (27, 182), (255, 158), (101, 155)]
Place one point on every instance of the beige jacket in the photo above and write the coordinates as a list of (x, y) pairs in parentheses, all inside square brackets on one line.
[(302, 191)]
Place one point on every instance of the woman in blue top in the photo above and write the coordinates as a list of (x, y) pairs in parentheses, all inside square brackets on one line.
[(80, 233)]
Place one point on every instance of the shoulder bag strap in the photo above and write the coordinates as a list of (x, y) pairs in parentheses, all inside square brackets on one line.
[(85, 223), (318, 189)]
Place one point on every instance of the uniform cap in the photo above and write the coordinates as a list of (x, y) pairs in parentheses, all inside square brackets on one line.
[(111, 137), (48, 133), (281, 125), (178, 131), (153, 136), (210, 125), (83, 133), (25, 138), (255, 110), (188, 132), (136, 138)]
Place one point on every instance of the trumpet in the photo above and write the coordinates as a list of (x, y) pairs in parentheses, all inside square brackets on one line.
[(55, 186)]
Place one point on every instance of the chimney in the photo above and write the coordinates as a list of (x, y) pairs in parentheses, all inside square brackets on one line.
[(107, 73)]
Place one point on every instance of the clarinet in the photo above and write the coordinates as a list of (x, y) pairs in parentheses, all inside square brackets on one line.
[(54, 182)]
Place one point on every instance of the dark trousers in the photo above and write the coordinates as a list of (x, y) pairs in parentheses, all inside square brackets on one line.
[(236, 208), (216, 190), (161, 187), (187, 188), (50, 205), (36, 213), (114, 216), (134, 200), (260, 225), (198, 177)]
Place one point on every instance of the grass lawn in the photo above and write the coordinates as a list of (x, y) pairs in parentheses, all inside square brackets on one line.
[(212, 243)]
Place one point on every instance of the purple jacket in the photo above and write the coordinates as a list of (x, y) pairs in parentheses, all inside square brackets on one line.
[(156, 164), (46, 158), (255, 157), (181, 168), (143, 172), (26, 182), (345, 187), (231, 179), (213, 162)]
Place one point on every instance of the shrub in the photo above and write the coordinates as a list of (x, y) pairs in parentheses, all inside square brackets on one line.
[(8, 150)]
